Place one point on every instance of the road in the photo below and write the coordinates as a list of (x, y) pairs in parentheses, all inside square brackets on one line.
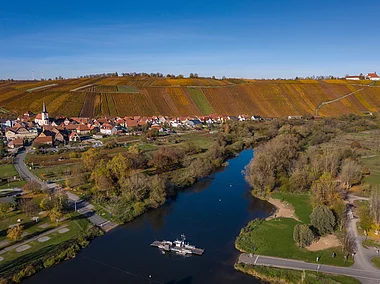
[(83, 207), (362, 269), (367, 277), (363, 255)]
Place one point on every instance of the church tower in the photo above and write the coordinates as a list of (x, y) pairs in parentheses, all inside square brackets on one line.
[(44, 115)]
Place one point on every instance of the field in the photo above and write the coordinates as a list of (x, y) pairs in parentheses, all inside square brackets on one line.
[(275, 237), (179, 97)]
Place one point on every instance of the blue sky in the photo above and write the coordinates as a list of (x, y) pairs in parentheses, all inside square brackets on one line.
[(251, 39)]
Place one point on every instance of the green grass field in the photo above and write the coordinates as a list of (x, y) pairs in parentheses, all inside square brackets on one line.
[(7, 171), (300, 203), (275, 238), (376, 261), (76, 224)]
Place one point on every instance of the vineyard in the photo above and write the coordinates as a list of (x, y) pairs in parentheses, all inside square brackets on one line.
[(187, 96)]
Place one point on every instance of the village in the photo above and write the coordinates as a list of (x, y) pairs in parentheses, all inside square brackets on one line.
[(40, 130)]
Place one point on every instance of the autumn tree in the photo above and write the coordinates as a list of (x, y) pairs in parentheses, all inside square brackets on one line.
[(351, 173), (166, 158), (119, 167), (135, 187), (5, 207), (28, 206), (102, 178), (324, 190), (32, 186), (302, 235), (322, 219), (339, 209), (55, 213), (14, 233), (374, 202), (91, 158), (157, 194)]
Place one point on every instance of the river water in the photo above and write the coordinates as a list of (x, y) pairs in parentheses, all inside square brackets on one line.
[(210, 213)]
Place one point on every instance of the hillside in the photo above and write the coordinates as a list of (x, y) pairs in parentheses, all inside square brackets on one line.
[(176, 97)]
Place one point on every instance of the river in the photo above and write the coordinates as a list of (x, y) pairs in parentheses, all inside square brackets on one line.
[(210, 213)]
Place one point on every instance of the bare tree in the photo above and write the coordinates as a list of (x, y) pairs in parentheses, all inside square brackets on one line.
[(349, 244), (351, 173)]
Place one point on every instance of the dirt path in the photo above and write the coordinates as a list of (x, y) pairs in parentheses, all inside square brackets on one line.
[(283, 209), (330, 241), (335, 100)]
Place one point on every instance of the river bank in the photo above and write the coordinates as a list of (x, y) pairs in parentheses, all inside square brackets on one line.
[(289, 276), (210, 214)]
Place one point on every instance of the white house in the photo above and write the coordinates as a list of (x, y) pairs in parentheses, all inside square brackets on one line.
[(373, 76), (353, 78)]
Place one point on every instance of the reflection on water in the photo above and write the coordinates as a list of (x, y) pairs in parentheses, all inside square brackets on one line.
[(210, 213)]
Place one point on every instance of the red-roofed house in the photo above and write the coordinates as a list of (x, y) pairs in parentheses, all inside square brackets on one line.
[(17, 143), (48, 140), (83, 129), (373, 76)]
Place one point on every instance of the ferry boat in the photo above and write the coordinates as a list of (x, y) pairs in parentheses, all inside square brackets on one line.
[(180, 247)]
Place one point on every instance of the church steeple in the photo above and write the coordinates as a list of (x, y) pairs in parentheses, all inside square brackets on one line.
[(44, 108)]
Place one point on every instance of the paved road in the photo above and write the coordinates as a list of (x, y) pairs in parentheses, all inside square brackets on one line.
[(368, 277), (22, 169), (83, 207), (363, 255)]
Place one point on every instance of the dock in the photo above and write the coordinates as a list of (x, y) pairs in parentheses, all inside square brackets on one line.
[(181, 250)]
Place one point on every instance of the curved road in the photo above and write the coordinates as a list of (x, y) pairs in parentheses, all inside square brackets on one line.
[(83, 207), (362, 269)]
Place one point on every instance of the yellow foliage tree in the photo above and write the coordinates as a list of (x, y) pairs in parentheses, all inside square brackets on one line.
[(14, 233)]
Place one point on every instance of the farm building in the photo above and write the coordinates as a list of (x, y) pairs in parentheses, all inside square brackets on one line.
[(353, 78), (373, 76)]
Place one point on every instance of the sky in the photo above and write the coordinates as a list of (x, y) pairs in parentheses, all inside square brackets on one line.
[(241, 38)]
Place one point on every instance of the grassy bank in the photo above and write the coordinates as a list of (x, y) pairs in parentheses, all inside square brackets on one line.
[(376, 261), (275, 237), (280, 275)]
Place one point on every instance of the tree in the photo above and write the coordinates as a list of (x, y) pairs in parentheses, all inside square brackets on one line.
[(351, 173), (302, 235), (339, 210), (119, 167), (324, 190), (32, 186), (55, 213), (5, 207), (28, 206), (349, 244), (91, 158), (374, 204), (323, 220), (14, 233), (157, 195)]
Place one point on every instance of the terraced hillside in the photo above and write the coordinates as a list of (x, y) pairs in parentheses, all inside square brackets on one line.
[(178, 97)]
